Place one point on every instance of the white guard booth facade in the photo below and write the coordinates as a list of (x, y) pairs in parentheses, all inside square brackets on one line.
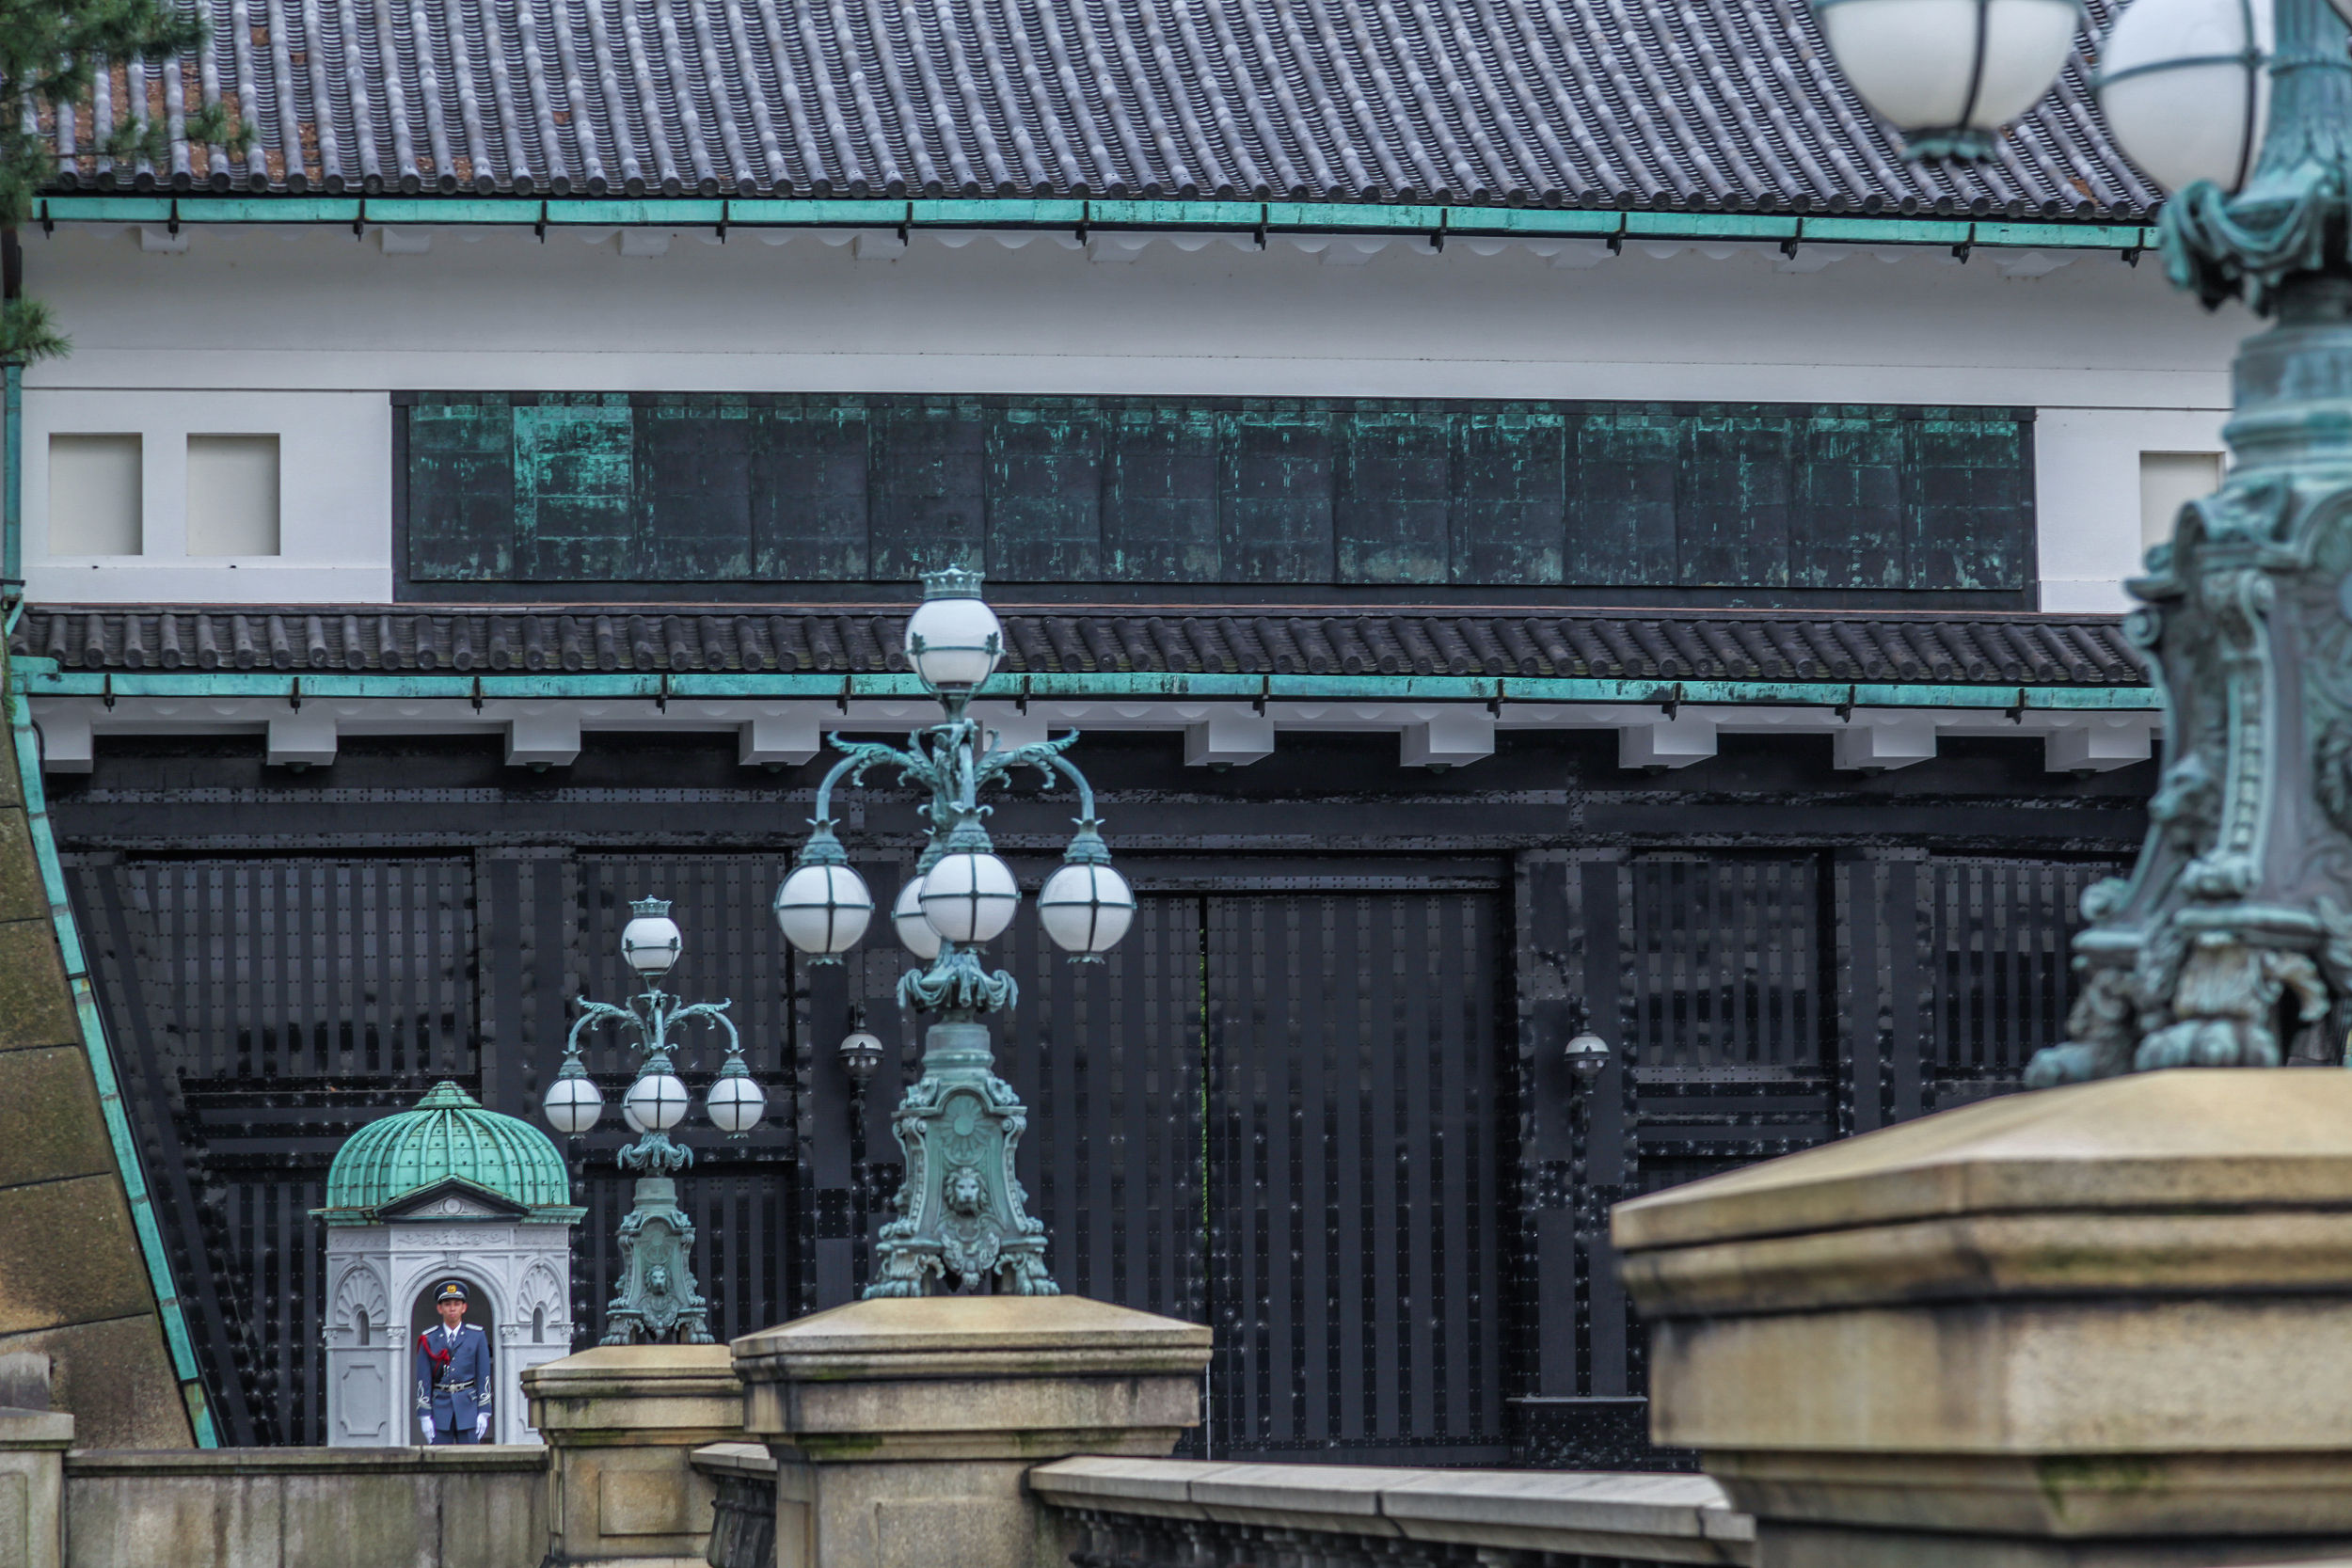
[(447, 1190)]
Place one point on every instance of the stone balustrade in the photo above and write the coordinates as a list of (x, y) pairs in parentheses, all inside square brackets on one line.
[(1175, 1514), (305, 1508), (1149, 1512)]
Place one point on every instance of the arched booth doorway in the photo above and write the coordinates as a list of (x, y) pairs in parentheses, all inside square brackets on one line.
[(482, 1313), (444, 1191)]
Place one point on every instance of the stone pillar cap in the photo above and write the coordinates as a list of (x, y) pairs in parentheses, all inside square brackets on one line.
[(2193, 1139), (973, 1336), (658, 1370)]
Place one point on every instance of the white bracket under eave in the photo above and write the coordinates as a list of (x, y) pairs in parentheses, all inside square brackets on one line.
[(543, 737), (1664, 742), (1449, 738), (1881, 739), (302, 737), (67, 745), (1227, 737), (2096, 742)]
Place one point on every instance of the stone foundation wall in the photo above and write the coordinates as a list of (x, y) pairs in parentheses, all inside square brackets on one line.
[(308, 1508), (73, 1285)]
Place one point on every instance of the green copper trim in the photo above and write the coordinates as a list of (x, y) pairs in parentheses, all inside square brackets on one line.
[(1251, 217), (13, 501), (42, 678), (101, 1056)]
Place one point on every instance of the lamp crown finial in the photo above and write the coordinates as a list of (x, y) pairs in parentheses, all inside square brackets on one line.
[(951, 582), (650, 906)]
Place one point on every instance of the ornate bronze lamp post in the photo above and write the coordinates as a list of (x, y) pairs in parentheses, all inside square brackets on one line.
[(658, 1299), (961, 1221), (2233, 931)]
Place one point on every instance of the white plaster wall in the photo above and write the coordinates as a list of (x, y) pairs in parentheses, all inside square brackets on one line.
[(259, 311), (2087, 477), (335, 477)]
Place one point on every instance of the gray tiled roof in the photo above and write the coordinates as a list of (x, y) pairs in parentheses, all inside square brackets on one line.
[(2037, 650), (1699, 104)]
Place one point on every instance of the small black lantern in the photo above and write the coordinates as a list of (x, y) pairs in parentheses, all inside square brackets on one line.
[(1587, 1055)]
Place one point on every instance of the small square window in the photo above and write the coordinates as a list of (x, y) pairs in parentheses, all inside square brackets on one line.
[(232, 495), (2168, 481), (94, 494)]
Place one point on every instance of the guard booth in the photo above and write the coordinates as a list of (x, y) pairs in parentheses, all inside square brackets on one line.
[(447, 1190)]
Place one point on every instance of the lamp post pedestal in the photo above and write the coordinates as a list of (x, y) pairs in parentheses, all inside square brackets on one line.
[(960, 1210), (657, 1299), (2105, 1326), (901, 1429)]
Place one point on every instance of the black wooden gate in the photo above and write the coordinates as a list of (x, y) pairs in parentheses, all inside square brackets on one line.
[(1319, 1105), (1286, 1114), (1757, 1002)]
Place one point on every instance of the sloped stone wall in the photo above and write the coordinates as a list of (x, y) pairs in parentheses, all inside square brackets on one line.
[(73, 1286)]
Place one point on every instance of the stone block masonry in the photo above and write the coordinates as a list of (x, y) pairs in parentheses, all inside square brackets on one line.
[(73, 1286)]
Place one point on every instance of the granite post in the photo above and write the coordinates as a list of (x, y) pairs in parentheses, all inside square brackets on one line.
[(622, 1424), (32, 1485), (903, 1428), (2105, 1326)]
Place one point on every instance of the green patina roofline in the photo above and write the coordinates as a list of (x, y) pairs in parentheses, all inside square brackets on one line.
[(1259, 218), (43, 678)]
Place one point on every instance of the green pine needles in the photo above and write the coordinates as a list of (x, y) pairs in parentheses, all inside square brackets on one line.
[(51, 52)]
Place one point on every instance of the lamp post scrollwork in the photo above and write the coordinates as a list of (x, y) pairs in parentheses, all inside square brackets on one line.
[(657, 1299), (961, 1221)]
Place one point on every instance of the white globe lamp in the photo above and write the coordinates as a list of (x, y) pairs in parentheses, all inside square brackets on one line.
[(649, 942), (573, 1103), (953, 638), (2184, 85), (970, 896), (656, 1102), (916, 933), (736, 1102), (1951, 72), (823, 910), (1085, 909)]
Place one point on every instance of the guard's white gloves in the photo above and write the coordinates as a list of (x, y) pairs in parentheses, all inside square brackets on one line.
[(481, 1425), (428, 1435)]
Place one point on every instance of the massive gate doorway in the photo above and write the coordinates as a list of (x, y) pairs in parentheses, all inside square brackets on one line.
[(1318, 1104), (1284, 1111)]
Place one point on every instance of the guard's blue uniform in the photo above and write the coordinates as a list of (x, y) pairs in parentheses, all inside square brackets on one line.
[(454, 1382)]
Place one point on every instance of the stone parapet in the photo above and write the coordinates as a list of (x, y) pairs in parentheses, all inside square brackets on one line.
[(621, 1422), (1504, 1517), (2103, 1325), (903, 1428), (470, 1507)]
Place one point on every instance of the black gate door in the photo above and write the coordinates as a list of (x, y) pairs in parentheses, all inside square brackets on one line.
[(1283, 1113), (1756, 1003)]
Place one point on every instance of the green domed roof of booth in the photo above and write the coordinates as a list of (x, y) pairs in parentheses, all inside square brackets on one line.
[(448, 1137)]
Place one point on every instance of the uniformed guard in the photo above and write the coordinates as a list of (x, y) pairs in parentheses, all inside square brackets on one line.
[(453, 1372)]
